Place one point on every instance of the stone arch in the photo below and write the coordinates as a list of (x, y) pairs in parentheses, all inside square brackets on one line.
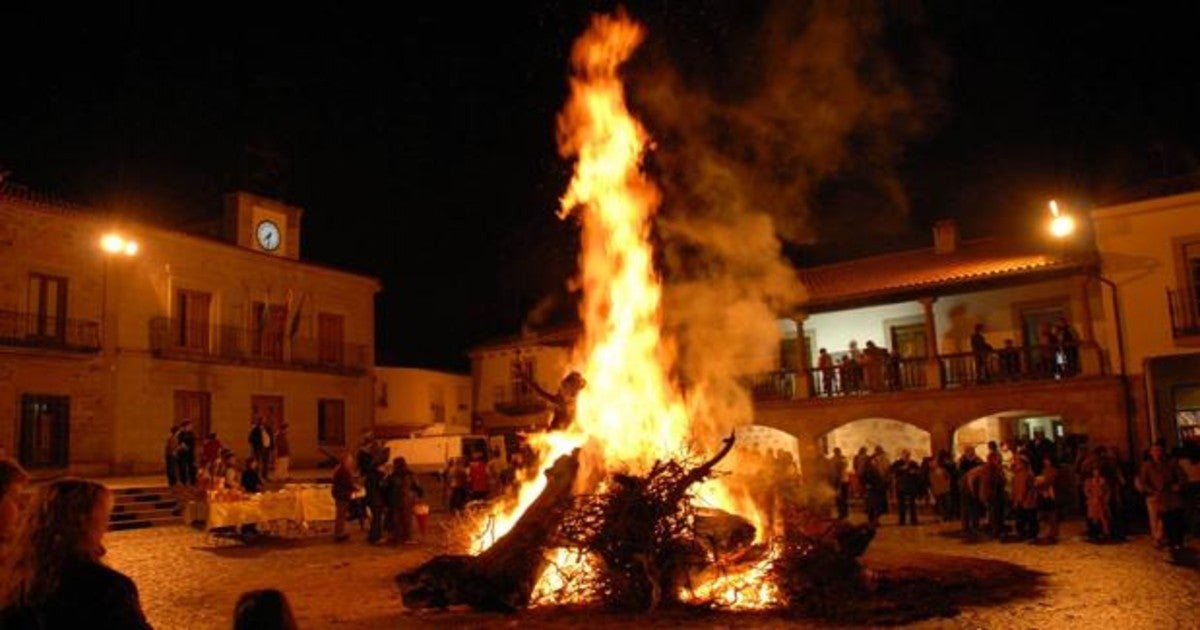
[(892, 434), (1007, 426), (756, 437)]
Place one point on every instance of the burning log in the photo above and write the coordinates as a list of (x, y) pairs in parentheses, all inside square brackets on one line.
[(641, 530), (818, 568), (502, 577)]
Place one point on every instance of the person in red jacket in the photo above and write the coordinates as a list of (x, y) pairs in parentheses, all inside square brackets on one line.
[(477, 477)]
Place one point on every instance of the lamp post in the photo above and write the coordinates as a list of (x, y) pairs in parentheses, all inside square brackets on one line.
[(1061, 226), (112, 244)]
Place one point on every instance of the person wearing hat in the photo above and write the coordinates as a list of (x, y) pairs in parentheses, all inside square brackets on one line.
[(283, 452)]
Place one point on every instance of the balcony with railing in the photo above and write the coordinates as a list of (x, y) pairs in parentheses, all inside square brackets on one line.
[(37, 330), (516, 399), (1008, 365), (172, 338), (1185, 314)]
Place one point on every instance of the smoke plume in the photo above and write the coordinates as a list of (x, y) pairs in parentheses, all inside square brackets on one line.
[(808, 104)]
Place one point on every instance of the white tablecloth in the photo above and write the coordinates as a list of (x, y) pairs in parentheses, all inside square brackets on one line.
[(298, 503)]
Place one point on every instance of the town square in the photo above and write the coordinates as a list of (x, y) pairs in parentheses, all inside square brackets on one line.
[(781, 313)]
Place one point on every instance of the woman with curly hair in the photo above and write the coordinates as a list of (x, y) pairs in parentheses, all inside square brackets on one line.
[(53, 577)]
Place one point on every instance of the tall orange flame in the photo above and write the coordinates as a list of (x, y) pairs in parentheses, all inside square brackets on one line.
[(630, 413)]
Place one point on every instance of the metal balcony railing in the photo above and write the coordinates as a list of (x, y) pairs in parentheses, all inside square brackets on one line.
[(36, 330), (175, 339), (1185, 314), (962, 369), (517, 399)]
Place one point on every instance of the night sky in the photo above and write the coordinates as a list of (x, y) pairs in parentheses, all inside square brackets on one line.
[(421, 145)]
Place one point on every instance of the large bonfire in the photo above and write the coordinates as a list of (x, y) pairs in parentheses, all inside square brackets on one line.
[(631, 510)]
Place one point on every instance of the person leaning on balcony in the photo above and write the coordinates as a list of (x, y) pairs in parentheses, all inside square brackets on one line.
[(825, 364), (982, 351), (1010, 361)]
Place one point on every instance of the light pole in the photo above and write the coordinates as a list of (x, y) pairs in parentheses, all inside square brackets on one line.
[(112, 244), (1062, 225)]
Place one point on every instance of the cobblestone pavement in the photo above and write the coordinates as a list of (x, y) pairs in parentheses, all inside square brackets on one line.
[(188, 582)]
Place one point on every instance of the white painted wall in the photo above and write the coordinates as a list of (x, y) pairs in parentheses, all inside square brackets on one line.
[(1138, 250), (410, 396), (494, 370)]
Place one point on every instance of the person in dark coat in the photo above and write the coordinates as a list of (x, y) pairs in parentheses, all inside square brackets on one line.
[(187, 454), (54, 578), (906, 476), (266, 609), (260, 445), (252, 480), (343, 490), (401, 491), (171, 456)]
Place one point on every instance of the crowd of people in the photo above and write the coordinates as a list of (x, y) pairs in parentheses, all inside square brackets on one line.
[(368, 485), (874, 368), (208, 464), (1020, 491)]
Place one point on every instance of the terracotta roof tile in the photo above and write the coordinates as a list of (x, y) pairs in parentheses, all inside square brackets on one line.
[(972, 262)]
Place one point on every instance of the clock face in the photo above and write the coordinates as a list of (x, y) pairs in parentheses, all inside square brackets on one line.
[(267, 234)]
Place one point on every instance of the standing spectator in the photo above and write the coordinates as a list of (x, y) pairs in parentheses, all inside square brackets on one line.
[(1010, 361), (401, 490), (12, 488), (343, 490), (859, 463), (906, 477), (825, 365), (210, 455), (375, 498), (968, 494), (940, 481), (839, 479), (1162, 480), (497, 468), (991, 493), (187, 454), (1046, 483), (53, 577), (875, 493), (283, 452), (982, 351), (458, 484), (1067, 356), (1024, 499), (266, 609), (171, 456), (260, 443), (477, 477), (1098, 493)]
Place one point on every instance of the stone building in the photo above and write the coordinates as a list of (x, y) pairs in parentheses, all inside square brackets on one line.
[(923, 387), (1151, 263), (112, 331), (413, 400)]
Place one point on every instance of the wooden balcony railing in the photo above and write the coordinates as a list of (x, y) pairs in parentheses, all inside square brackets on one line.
[(174, 339), (1185, 314), (36, 330), (964, 369)]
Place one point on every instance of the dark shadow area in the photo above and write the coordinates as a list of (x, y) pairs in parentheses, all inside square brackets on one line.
[(913, 586)]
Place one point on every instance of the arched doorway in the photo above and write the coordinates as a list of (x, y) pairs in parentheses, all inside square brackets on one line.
[(1008, 426), (893, 435), (763, 440)]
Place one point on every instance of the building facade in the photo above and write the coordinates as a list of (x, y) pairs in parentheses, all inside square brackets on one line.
[(412, 400), (111, 332), (1150, 252)]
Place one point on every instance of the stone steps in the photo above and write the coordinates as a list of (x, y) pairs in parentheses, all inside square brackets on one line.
[(141, 507)]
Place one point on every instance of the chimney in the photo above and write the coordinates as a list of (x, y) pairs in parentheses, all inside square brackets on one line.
[(945, 236)]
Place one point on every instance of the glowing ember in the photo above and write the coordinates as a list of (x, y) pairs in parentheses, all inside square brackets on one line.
[(748, 588)]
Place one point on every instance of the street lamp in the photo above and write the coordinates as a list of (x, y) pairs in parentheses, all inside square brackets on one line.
[(112, 244), (1062, 224)]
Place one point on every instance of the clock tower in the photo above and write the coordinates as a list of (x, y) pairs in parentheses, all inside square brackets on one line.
[(262, 224)]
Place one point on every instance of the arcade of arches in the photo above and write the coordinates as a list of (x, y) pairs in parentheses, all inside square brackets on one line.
[(927, 421)]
